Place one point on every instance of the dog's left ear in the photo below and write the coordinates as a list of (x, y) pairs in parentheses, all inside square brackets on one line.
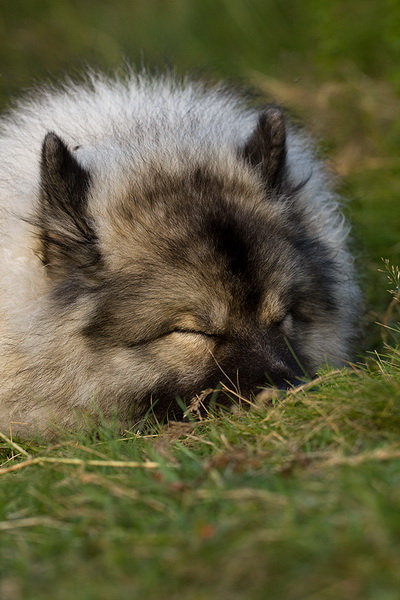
[(67, 238), (266, 147)]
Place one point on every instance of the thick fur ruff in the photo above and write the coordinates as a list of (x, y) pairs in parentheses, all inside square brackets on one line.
[(158, 237)]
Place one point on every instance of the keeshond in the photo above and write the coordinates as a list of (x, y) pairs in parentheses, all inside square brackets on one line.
[(161, 237)]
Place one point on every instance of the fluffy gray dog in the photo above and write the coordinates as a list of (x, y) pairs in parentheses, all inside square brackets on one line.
[(159, 237)]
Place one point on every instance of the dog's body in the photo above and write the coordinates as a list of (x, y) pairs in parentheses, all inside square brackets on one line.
[(158, 237)]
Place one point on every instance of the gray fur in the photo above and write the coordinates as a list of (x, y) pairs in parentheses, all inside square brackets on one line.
[(158, 237)]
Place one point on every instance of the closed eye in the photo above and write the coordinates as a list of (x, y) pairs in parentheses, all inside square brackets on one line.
[(293, 315), (141, 342), (194, 332)]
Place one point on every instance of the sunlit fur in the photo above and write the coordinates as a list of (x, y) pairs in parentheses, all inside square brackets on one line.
[(157, 244)]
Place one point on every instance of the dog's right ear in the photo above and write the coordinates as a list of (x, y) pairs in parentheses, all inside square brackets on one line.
[(266, 147), (67, 237)]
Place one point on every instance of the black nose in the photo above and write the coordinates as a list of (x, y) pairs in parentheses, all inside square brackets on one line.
[(264, 359), (282, 376)]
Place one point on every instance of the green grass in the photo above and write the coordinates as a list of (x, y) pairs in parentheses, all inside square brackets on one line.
[(295, 500)]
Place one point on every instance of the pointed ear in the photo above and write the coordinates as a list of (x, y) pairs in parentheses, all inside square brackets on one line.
[(67, 238), (266, 147)]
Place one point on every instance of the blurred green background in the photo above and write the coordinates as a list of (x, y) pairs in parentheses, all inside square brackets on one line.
[(334, 64)]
